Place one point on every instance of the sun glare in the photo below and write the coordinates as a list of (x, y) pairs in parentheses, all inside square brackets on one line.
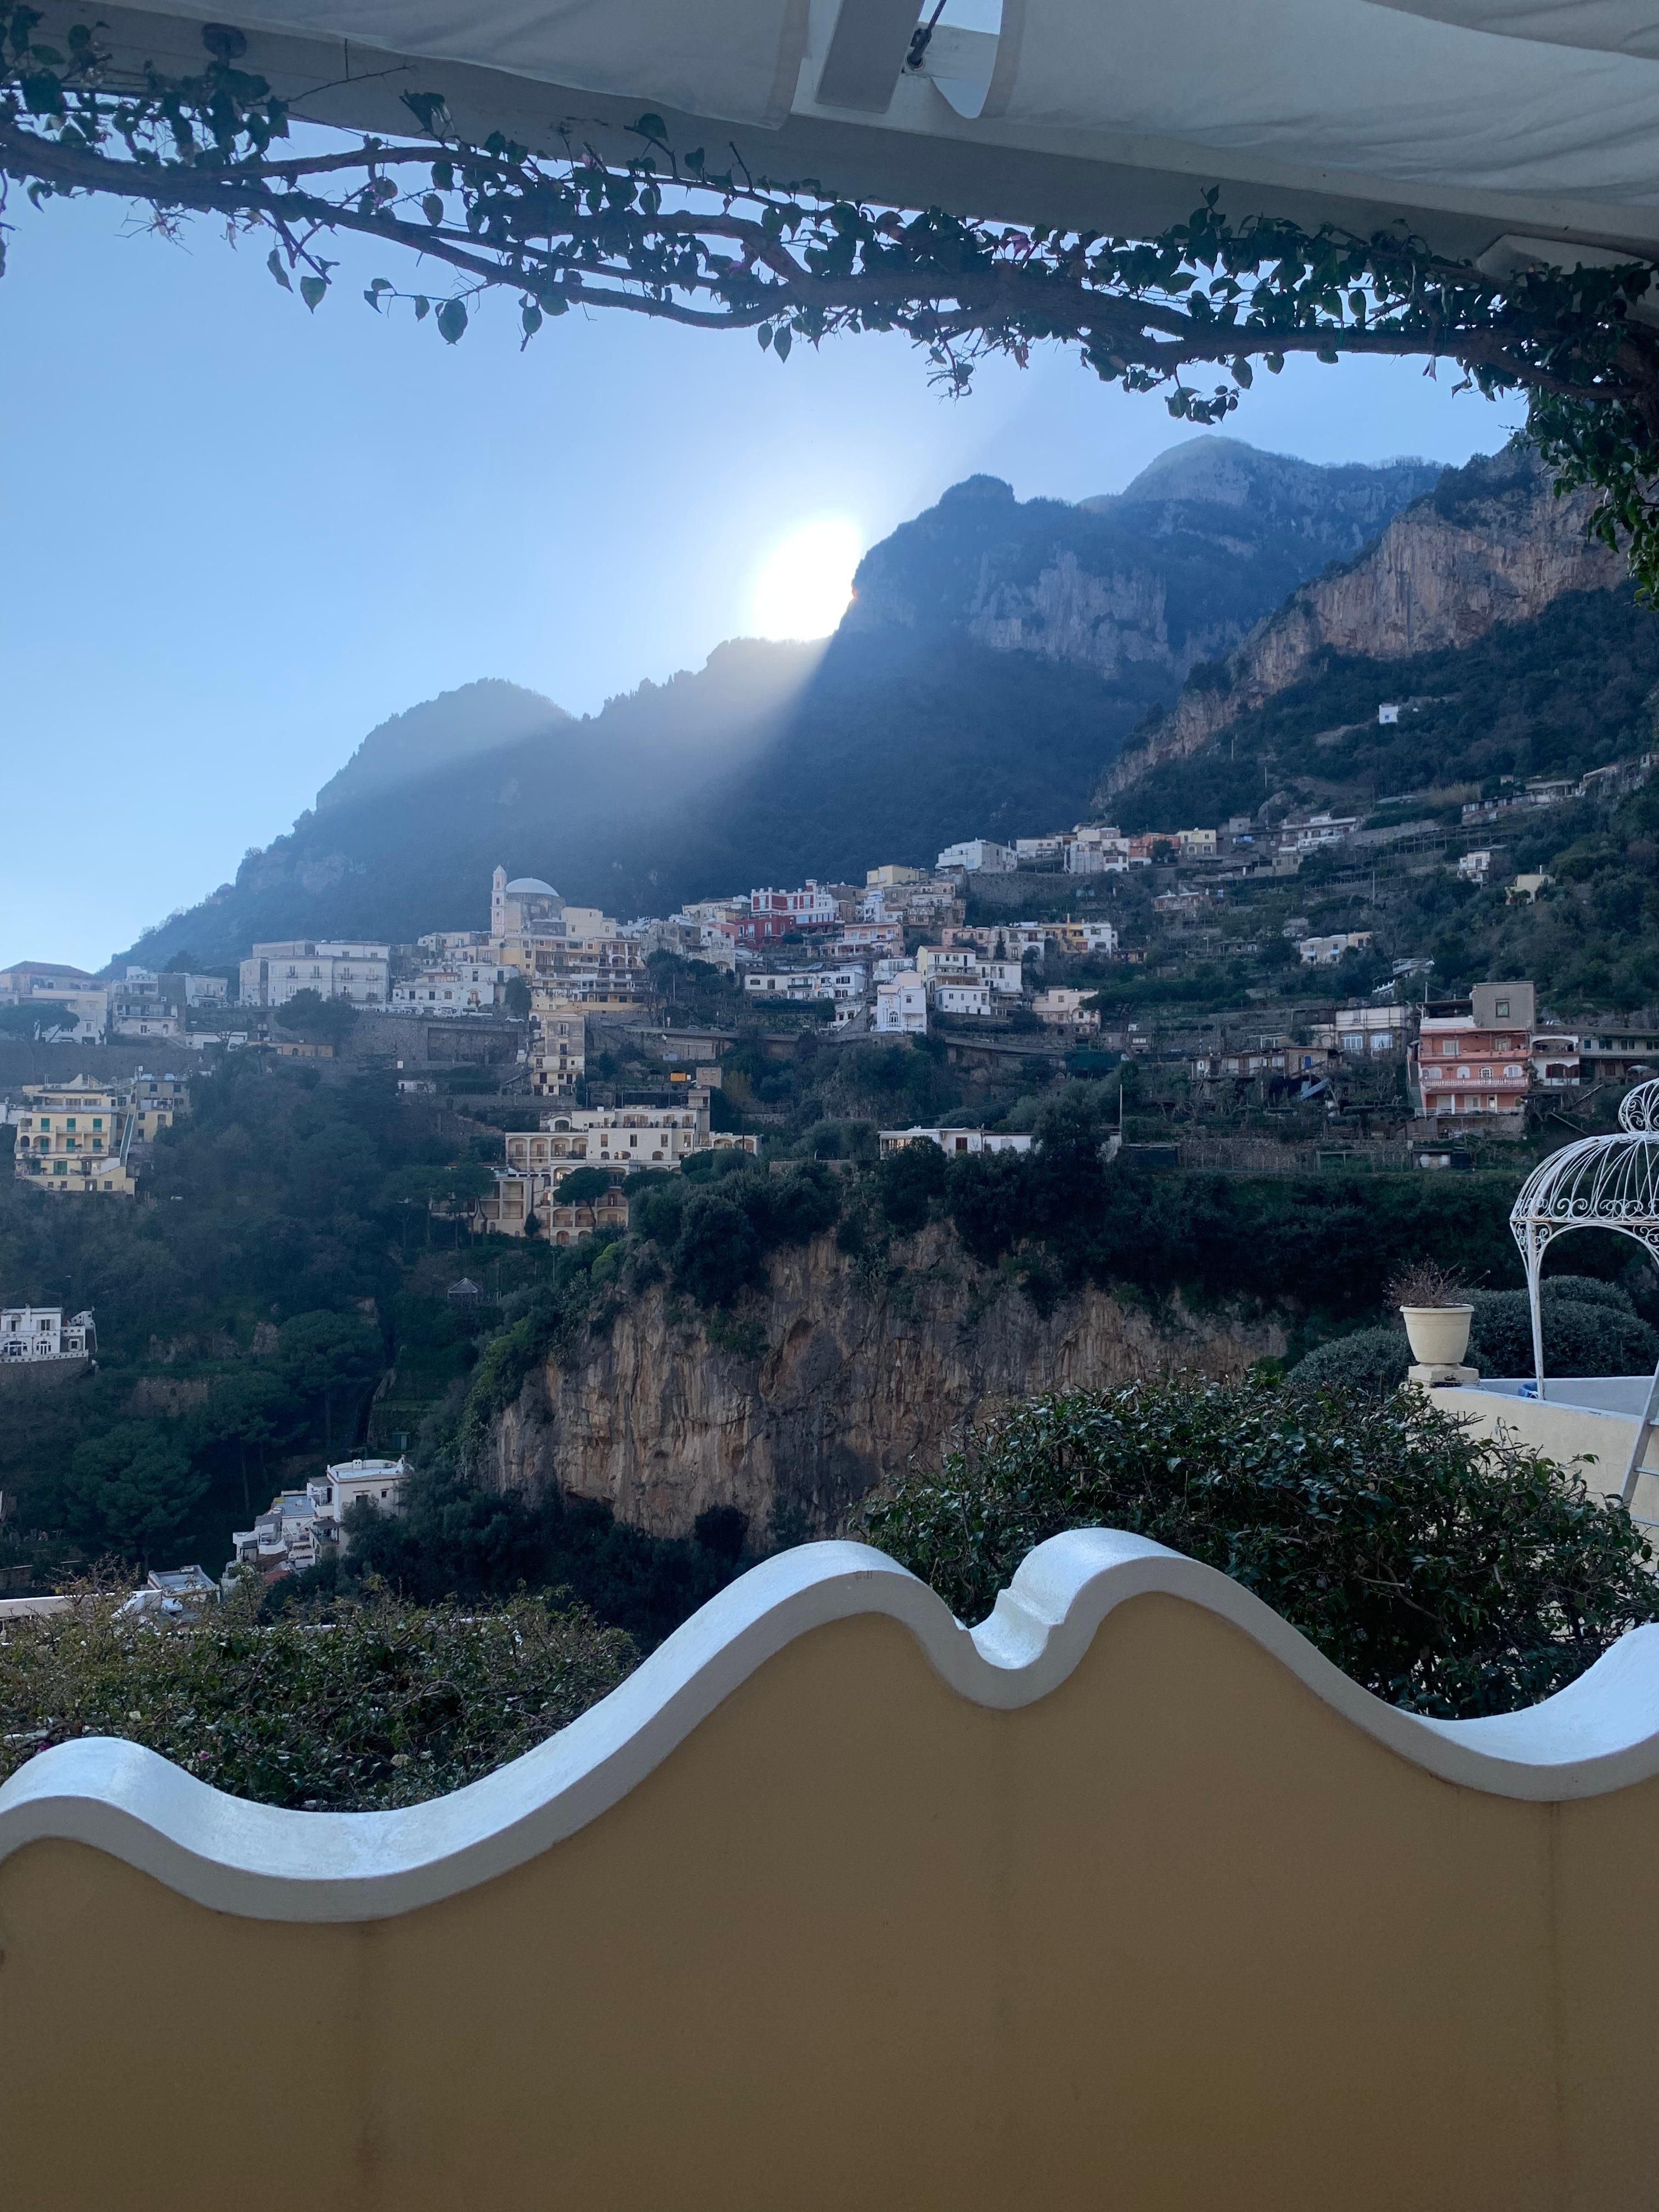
[(805, 581)]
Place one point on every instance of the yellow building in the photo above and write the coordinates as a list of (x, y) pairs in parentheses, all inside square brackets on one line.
[(157, 1100), (76, 1136)]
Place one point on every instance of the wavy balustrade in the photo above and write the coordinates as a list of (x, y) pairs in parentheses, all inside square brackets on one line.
[(1602, 1734), (1126, 1897)]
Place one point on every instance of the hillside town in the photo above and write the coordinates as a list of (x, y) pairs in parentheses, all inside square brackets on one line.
[(547, 985)]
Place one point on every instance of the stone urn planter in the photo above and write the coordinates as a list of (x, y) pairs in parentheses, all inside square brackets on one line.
[(1439, 1335)]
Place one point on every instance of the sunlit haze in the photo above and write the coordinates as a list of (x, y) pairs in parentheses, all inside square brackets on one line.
[(240, 535), (806, 580)]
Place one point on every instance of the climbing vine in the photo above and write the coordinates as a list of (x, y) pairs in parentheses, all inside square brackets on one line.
[(684, 237)]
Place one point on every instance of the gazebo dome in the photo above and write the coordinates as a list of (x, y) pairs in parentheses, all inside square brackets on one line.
[(1600, 1183)]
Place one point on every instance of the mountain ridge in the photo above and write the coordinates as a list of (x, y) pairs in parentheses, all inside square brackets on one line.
[(1491, 546), (996, 654)]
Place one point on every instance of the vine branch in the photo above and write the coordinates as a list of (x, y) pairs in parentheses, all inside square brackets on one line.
[(663, 236)]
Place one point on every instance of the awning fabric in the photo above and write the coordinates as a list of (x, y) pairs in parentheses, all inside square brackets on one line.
[(1472, 121)]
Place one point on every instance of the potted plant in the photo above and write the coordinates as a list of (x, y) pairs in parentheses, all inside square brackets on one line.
[(1436, 1311)]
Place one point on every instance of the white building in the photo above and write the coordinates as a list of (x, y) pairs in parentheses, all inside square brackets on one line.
[(1555, 1062), (1313, 832), (1097, 849), (624, 1137), (935, 962), (902, 1005), (558, 1047), (1326, 951), (35, 1333), (1060, 1008), (845, 985), (954, 1141), (455, 986), (980, 856), (1475, 867), (299, 1525), (334, 969), (951, 997)]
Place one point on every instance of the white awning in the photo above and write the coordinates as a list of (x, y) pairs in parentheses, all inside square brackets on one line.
[(1468, 119)]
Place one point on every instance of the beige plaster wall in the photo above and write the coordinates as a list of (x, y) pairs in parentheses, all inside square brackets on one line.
[(1175, 1936), (1600, 1442)]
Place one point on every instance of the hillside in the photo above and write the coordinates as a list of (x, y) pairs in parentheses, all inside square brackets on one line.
[(996, 656), (1514, 648), (1489, 549), (1567, 690), (1204, 543)]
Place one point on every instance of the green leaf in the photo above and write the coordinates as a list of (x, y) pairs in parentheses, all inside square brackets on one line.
[(765, 334), (452, 321), (531, 315), (274, 263), (651, 126), (312, 289), (423, 307), (428, 108), (781, 342), (432, 209)]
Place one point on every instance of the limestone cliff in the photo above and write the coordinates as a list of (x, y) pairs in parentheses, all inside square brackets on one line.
[(1138, 585), (1491, 544), (843, 1373)]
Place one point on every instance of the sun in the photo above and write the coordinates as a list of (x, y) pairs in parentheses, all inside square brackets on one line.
[(804, 584)]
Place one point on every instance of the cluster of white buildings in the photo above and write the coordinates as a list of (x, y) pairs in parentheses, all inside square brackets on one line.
[(846, 946), (301, 1527), (1091, 849), (142, 1004)]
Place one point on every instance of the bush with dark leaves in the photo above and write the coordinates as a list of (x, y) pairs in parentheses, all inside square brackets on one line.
[(1448, 1576)]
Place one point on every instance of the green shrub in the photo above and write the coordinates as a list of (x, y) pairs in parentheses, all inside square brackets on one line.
[(453, 1538), (908, 1183), (719, 1230), (1582, 1336), (1371, 1362), (359, 1706), (1448, 1576), (1589, 1328)]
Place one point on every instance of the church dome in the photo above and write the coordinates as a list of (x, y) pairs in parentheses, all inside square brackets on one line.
[(528, 885)]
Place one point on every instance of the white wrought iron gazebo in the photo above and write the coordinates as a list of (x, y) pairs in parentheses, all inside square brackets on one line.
[(1600, 1182)]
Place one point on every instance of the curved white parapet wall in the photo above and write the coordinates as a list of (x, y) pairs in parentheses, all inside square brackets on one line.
[(1599, 1735)]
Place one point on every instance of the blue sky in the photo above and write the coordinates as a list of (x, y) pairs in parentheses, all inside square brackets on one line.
[(236, 536)]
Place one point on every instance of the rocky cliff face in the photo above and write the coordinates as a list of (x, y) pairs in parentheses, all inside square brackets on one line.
[(1147, 581), (1491, 544), (840, 1377)]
